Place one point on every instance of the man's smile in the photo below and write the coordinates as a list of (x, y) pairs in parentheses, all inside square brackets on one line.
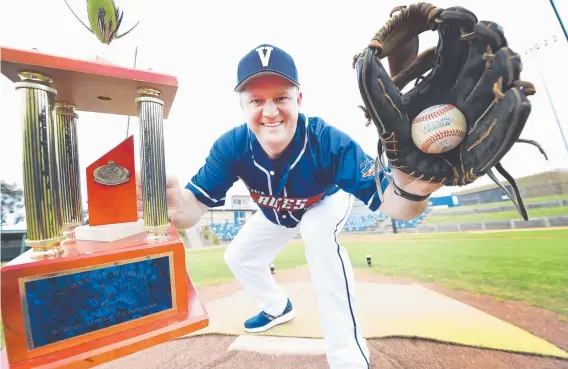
[(272, 124)]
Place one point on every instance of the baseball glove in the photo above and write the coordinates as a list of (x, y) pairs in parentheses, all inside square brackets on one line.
[(471, 67)]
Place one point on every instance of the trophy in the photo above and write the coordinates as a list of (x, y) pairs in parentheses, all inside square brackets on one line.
[(85, 294)]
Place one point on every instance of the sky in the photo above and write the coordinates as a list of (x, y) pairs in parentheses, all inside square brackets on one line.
[(202, 43)]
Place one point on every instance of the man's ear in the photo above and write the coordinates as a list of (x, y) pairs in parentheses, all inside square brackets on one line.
[(299, 98)]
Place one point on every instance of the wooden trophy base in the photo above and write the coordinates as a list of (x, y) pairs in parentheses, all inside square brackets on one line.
[(96, 302)]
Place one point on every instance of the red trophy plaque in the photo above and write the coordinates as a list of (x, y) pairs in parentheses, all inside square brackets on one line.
[(111, 186), (78, 300)]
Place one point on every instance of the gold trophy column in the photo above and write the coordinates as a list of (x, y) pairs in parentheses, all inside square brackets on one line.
[(152, 163), (69, 170), (41, 184)]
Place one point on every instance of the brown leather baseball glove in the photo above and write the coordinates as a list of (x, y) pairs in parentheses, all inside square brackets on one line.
[(471, 67)]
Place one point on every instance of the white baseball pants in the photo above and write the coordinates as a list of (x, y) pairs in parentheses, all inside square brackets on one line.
[(259, 241)]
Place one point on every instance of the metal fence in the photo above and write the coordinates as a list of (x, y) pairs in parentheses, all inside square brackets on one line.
[(545, 222), (546, 204)]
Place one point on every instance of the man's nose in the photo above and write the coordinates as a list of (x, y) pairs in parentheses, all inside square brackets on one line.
[(270, 109)]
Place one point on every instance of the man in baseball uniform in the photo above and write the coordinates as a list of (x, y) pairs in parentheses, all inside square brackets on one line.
[(303, 174)]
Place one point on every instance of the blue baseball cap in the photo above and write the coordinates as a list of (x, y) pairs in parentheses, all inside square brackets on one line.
[(265, 60)]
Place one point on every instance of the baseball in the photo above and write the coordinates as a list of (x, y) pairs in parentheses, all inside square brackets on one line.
[(438, 129)]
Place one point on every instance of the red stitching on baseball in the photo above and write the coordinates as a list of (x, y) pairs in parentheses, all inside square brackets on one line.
[(443, 134), (433, 114)]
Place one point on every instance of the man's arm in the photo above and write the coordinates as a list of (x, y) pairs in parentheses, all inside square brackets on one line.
[(186, 205), (399, 208), (207, 189), (184, 209), (353, 171), (189, 212)]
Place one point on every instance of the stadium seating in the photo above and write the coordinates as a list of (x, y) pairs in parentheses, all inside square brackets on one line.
[(369, 221), (363, 222), (226, 231), (410, 223)]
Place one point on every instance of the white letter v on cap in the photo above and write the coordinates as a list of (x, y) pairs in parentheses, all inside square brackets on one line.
[(264, 56)]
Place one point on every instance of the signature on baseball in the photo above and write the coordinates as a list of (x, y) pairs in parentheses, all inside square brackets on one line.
[(443, 122)]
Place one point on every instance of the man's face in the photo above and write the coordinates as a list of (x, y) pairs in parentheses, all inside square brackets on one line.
[(271, 105)]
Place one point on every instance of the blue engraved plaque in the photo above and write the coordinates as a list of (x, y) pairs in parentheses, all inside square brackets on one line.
[(60, 306)]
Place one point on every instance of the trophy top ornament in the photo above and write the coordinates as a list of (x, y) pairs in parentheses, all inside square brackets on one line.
[(111, 174), (105, 19)]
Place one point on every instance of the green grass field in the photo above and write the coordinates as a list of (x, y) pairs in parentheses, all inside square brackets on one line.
[(528, 266)]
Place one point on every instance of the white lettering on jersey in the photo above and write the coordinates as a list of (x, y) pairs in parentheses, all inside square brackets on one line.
[(274, 202), (287, 204), (283, 203), (256, 191), (300, 204), (264, 54), (263, 200)]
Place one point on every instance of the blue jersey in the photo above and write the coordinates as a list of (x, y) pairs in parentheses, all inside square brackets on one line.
[(319, 161)]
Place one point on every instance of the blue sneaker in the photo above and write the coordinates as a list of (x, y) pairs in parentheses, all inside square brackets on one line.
[(263, 321)]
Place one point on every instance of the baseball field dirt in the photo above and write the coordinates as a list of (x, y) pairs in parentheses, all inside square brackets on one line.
[(212, 351)]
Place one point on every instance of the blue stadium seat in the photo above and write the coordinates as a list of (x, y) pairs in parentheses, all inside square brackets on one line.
[(363, 222), (226, 231), (413, 223)]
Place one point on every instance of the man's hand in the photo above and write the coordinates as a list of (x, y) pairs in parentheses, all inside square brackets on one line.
[(412, 185), (184, 210), (173, 195)]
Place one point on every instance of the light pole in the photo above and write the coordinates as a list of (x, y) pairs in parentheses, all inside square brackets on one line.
[(532, 52), (559, 19)]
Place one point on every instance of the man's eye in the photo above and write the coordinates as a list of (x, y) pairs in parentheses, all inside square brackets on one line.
[(256, 101), (282, 98)]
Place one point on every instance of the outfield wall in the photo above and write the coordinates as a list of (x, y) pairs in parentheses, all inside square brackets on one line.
[(494, 209), (546, 222), (554, 182)]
